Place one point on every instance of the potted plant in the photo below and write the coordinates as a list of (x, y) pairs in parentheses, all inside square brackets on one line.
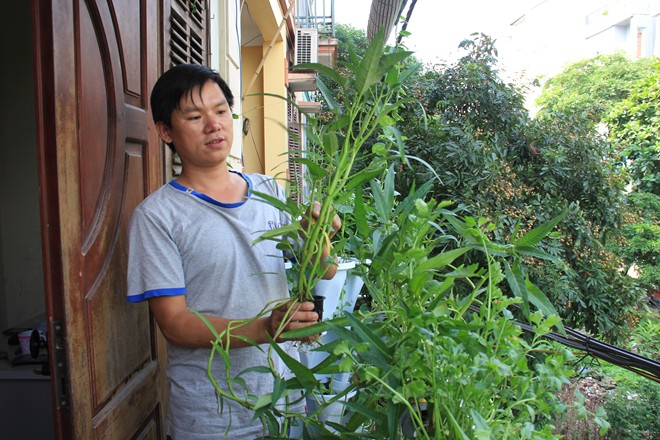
[(371, 99), (439, 354)]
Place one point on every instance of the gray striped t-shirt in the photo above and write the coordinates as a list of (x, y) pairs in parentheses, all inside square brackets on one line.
[(185, 243)]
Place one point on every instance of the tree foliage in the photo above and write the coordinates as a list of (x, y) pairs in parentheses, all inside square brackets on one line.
[(496, 162), (623, 97), (639, 243), (634, 125), (590, 88)]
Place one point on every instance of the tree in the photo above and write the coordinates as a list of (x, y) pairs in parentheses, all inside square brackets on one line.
[(634, 132), (352, 42), (496, 162), (634, 126), (592, 87), (639, 244)]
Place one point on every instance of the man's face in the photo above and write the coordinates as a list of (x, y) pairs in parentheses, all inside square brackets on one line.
[(202, 130)]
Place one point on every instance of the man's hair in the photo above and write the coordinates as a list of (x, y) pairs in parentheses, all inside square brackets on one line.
[(180, 80)]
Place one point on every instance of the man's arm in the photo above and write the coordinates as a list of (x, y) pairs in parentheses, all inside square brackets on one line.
[(183, 328)]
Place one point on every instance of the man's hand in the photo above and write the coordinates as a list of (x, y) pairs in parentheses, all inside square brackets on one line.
[(315, 211), (293, 315)]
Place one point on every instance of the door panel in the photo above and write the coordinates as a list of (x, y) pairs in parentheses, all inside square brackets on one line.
[(96, 61)]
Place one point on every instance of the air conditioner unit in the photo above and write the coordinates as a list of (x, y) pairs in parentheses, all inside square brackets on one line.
[(307, 46)]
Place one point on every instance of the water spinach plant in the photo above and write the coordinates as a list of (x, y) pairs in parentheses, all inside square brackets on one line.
[(437, 352), (368, 105)]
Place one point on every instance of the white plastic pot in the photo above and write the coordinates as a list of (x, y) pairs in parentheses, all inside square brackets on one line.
[(332, 289), (339, 382), (311, 359), (334, 412), (352, 288), (341, 292)]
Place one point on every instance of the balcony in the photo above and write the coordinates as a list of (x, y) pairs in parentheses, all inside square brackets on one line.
[(318, 17)]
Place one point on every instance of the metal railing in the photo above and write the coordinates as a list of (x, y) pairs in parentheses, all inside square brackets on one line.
[(316, 14)]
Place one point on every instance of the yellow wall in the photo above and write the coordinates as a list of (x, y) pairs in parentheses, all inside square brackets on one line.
[(265, 146), (275, 120), (253, 142)]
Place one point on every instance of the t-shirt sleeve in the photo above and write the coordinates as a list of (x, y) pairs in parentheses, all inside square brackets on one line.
[(285, 219), (154, 262)]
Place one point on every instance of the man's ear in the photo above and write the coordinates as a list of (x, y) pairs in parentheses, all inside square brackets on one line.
[(163, 132)]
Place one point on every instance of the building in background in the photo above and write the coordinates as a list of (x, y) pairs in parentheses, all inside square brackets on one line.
[(630, 26), (544, 38), (547, 36)]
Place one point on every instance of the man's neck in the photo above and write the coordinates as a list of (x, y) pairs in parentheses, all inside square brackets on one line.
[(218, 183)]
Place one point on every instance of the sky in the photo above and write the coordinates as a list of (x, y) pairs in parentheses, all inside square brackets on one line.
[(438, 26)]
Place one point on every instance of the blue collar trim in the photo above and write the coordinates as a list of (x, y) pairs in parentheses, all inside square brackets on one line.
[(211, 200)]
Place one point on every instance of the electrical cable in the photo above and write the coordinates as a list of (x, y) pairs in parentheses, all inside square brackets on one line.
[(620, 357)]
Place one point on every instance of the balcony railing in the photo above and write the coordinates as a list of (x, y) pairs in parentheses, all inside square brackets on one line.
[(316, 14)]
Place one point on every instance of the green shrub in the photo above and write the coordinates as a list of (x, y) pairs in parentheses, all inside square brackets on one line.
[(634, 411), (646, 339)]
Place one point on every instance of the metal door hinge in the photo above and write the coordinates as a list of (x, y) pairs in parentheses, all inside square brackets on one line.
[(60, 369)]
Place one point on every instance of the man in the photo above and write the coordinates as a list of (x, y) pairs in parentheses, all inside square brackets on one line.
[(191, 247)]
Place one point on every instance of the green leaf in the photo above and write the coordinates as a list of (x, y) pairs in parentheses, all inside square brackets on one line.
[(263, 401), (401, 146), (379, 149), (390, 59), (458, 225), (459, 433), (323, 70), (327, 95), (330, 143), (516, 280), (278, 389), (482, 431), (366, 411), (537, 253), (302, 373), (360, 214), (205, 320), (271, 200), (380, 351), (405, 207), (380, 201), (441, 260), (393, 416), (317, 172), (408, 72), (261, 369), (369, 71), (361, 177), (422, 208), (537, 234), (304, 332), (500, 367), (388, 109), (389, 189), (286, 230), (541, 301)]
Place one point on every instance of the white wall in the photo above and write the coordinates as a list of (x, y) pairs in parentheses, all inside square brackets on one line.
[(226, 59), (615, 25)]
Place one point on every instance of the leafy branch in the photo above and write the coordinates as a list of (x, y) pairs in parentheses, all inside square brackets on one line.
[(371, 98)]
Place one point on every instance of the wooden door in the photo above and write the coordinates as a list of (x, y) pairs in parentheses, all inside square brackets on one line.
[(99, 156)]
